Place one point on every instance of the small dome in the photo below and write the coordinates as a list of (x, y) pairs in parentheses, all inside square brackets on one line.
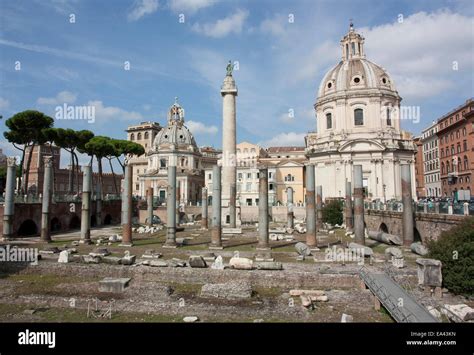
[(176, 133)]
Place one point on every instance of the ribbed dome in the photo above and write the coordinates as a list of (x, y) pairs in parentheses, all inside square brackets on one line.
[(176, 133), (354, 71), (354, 74)]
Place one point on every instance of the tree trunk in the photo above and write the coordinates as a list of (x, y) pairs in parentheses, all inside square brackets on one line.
[(77, 173), (113, 176), (99, 164), (71, 175), (28, 164)]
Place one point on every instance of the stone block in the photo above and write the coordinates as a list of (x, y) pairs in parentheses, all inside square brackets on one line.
[(114, 285), (63, 257), (128, 260), (112, 260), (346, 318), (89, 259), (197, 261), (302, 249), (429, 272), (269, 265), (355, 246), (419, 249), (461, 311), (241, 263)]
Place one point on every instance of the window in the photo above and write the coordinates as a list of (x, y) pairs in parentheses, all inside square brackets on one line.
[(146, 135), (353, 47), (209, 176), (466, 163), (458, 147), (464, 145), (132, 137), (358, 117), (163, 163), (137, 187), (270, 175), (139, 136), (239, 175), (447, 167), (347, 51), (464, 132), (389, 117), (270, 187), (249, 175), (458, 134), (248, 202), (248, 187), (328, 120)]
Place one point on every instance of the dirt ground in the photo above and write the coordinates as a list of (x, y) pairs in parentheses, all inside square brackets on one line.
[(54, 292)]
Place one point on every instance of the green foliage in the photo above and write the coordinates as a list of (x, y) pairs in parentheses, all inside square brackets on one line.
[(332, 212), (127, 147), (28, 127), (455, 249)]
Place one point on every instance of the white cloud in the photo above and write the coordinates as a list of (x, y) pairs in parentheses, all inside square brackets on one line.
[(112, 113), (274, 26), (285, 139), (200, 128), (419, 52), (190, 6), (223, 27), (142, 8), (4, 103), (61, 98)]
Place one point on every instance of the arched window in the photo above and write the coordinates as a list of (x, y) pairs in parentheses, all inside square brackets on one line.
[(466, 163), (358, 117), (328, 120), (447, 167), (132, 137), (146, 135), (139, 136), (442, 153)]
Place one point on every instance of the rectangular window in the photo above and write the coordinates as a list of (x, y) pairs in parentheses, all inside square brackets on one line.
[(389, 117), (248, 202), (358, 117)]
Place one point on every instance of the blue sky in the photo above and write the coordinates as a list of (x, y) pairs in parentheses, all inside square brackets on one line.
[(280, 63)]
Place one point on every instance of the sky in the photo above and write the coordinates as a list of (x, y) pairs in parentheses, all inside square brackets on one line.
[(130, 58)]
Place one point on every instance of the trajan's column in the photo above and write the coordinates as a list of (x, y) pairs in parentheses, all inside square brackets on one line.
[(229, 93)]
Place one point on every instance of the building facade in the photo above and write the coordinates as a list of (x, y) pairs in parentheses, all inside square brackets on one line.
[(175, 145), (358, 123), (61, 177), (419, 169), (431, 163), (286, 168), (456, 147), (144, 134)]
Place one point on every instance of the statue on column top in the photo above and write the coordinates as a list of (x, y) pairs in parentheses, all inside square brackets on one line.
[(229, 68)]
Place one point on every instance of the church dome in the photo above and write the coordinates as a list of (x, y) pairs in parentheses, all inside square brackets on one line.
[(176, 133), (354, 72)]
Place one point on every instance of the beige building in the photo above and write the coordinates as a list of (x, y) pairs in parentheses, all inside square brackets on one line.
[(286, 168), (144, 134)]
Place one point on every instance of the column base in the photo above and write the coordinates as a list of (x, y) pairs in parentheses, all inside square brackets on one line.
[(126, 245), (86, 241), (170, 246), (213, 247)]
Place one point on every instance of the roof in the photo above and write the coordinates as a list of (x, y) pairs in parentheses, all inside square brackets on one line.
[(285, 149)]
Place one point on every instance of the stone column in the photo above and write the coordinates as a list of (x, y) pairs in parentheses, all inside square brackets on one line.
[(319, 207), (216, 231), (232, 206), (358, 206), (171, 209), (407, 216), (46, 203), (86, 204), (9, 206), (349, 221), (290, 212), (263, 209), (98, 204), (204, 224), (149, 207), (229, 94), (178, 200), (310, 204), (127, 205)]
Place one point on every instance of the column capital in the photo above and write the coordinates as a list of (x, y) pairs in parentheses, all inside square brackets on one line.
[(11, 161)]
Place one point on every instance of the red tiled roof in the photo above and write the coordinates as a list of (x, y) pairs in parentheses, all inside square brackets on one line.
[(285, 149)]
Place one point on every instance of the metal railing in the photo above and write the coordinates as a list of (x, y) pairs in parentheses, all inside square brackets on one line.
[(459, 208)]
